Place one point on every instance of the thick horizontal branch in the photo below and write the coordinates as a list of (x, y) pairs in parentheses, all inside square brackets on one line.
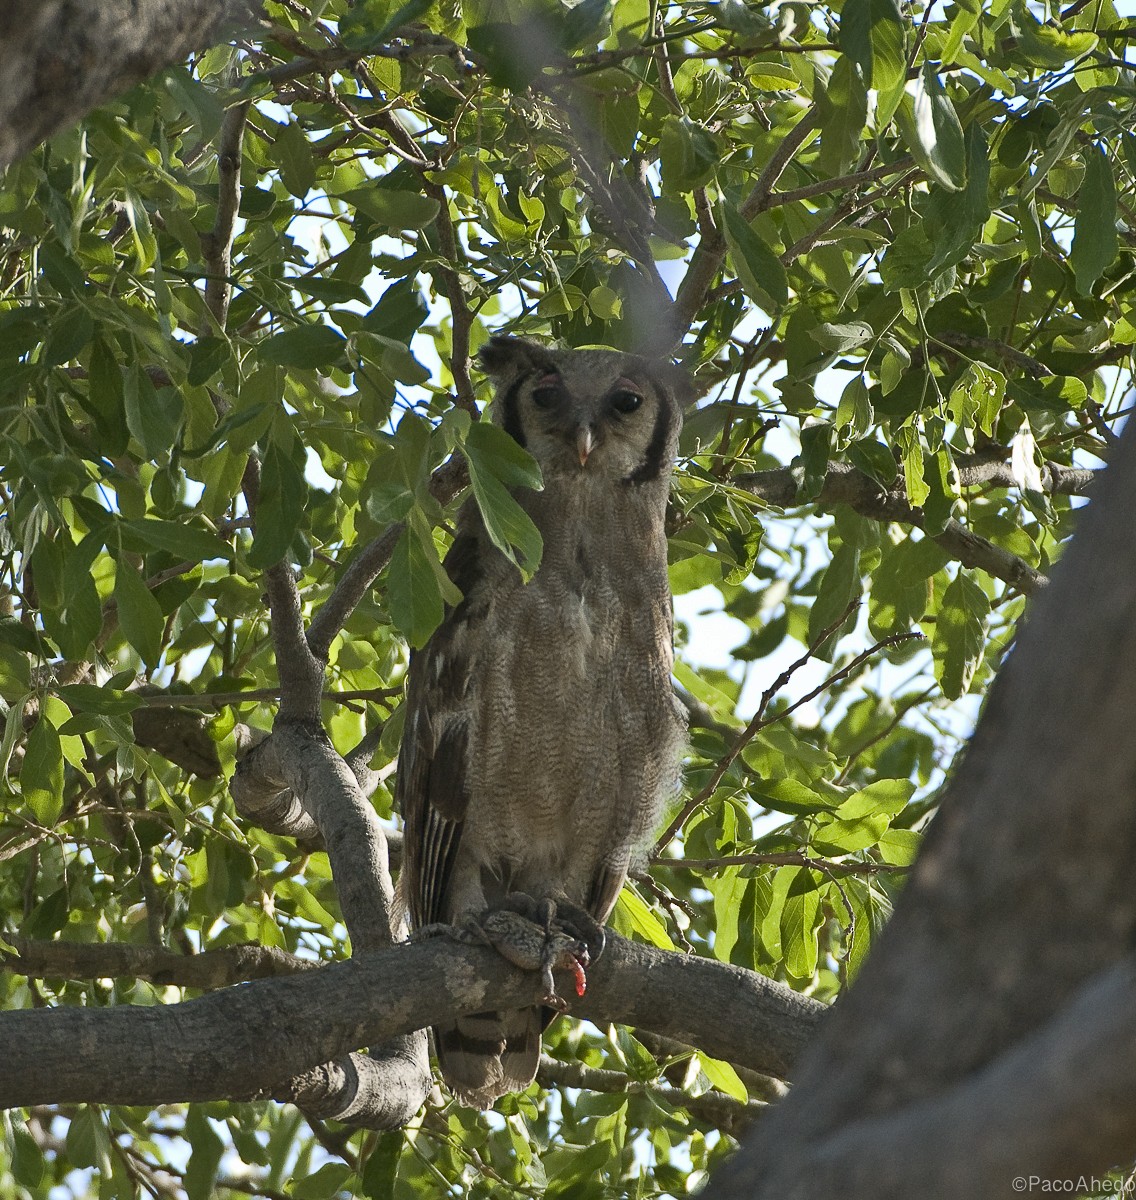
[(112, 960), (247, 1041)]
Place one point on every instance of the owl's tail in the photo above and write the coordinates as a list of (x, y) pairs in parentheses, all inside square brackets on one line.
[(485, 1055)]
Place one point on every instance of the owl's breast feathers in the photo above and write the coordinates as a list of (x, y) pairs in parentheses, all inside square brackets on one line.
[(542, 734)]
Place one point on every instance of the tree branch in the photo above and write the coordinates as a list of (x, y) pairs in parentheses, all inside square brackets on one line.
[(845, 484), (62, 58), (247, 1041), (108, 960)]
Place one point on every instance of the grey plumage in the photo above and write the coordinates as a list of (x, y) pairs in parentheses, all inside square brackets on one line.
[(542, 735)]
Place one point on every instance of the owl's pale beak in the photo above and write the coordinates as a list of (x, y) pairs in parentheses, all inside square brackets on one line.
[(585, 443)]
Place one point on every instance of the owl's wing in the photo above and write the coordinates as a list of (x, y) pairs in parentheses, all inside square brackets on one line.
[(433, 785)]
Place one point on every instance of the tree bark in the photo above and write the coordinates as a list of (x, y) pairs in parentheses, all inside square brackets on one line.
[(63, 58), (991, 1036), (249, 1041)]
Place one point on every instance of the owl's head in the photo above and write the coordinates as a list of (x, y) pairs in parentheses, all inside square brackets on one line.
[(588, 413)]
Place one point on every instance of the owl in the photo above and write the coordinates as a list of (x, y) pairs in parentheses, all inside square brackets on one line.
[(542, 733)]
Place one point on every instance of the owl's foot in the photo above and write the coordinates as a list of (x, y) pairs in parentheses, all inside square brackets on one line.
[(578, 923), (528, 944)]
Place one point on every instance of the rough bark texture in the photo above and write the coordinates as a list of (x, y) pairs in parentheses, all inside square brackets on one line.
[(251, 1040), (62, 58), (991, 1034)]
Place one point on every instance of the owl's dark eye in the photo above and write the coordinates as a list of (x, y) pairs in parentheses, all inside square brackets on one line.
[(625, 400), (548, 391)]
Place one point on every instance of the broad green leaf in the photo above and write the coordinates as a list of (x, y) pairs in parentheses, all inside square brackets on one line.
[(840, 585), (872, 35), (959, 639), (496, 463), (205, 1155), (723, 1077), (41, 775), (153, 415), (280, 507), (1095, 243), (394, 209), (800, 920), (842, 107), (633, 916), (758, 269), (839, 836), (328, 1181), (910, 447), (139, 615), (413, 594), (688, 155), (854, 410), (105, 400), (307, 346), (206, 357), (1048, 46), (976, 399), (184, 541), (841, 337), (932, 131), (886, 796), (294, 154)]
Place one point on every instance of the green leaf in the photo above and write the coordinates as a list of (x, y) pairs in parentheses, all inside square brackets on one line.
[(139, 615), (688, 155), (842, 107), (400, 311), (323, 1184), (800, 920), (414, 596), (1047, 45), (105, 400), (959, 638), (187, 542), (841, 337), (758, 269), (497, 462), (854, 410), (205, 1155), (872, 35), (838, 836), (910, 447), (280, 507), (632, 916), (87, 698), (382, 1167), (839, 586), (294, 156), (723, 1077), (153, 415), (308, 347), (41, 776), (1095, 243), (976, 398), (931, 129), (392, 208), (884, 796), (206, 357)]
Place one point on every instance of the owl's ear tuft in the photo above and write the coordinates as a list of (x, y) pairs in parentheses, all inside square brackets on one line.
[(503, 357)]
